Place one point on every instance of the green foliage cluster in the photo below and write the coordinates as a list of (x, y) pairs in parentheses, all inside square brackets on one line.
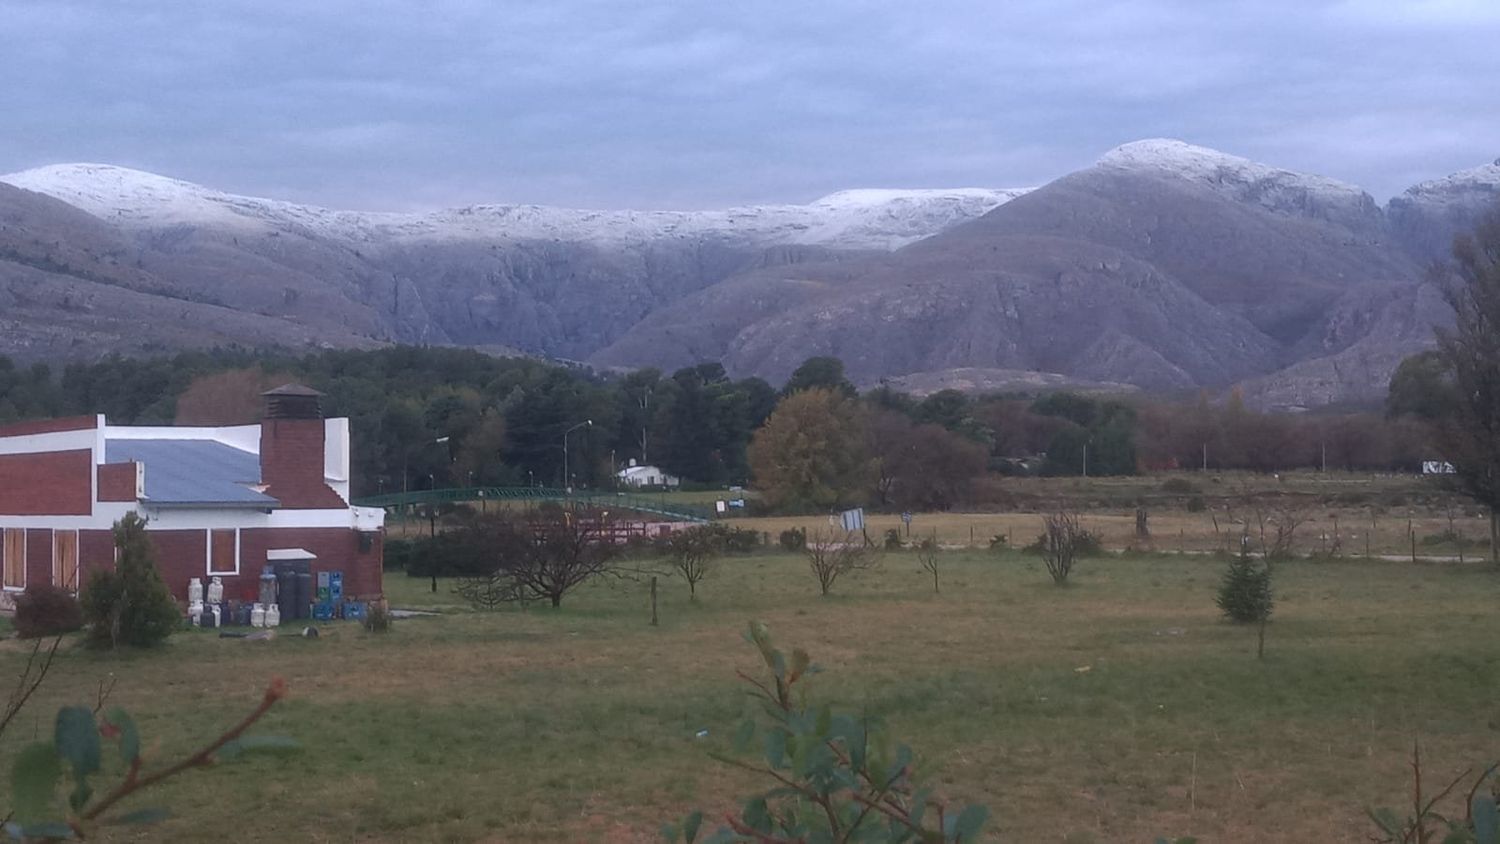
[(46, 610), (129, 605), (836, 777), (1099, 439), (53, 782), (1245, 595)]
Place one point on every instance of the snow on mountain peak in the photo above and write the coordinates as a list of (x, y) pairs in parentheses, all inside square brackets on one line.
[(855, 219), (1475, 184), (1240, 178)]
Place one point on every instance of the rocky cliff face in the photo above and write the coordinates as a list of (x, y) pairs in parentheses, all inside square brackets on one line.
[(1164, 266)]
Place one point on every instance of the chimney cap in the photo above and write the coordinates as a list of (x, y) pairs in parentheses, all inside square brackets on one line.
[(293, 390)]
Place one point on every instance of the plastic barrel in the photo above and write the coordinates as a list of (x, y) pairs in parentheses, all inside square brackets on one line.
[(286, 592), (304, 594)]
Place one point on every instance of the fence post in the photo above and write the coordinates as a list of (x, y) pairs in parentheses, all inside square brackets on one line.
[(653, 600)]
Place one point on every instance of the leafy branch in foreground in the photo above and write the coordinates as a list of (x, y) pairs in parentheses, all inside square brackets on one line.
[(838, 778), (77, 745), (1480, 825)]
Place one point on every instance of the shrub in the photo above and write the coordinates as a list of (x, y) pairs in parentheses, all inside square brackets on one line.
[(692, 552), (378, 618), (738, 540), (830, 557), (130, 605), (1245, 594), (1179, 486), (1196, 504), (1062, 542), (999, 542), (892, 539), (47, 610), (929, 560), (793, 539), (544, 557), (397, 553)]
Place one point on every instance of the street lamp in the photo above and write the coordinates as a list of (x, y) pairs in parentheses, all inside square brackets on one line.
[(587, 423), (405, 480)]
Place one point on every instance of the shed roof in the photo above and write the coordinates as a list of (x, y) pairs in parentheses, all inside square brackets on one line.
[(188, 473)]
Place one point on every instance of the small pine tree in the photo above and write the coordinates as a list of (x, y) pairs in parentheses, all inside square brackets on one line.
[(130, 605), (1245, 595)]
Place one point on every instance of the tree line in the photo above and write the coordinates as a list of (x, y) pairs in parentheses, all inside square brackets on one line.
[(437, 417)]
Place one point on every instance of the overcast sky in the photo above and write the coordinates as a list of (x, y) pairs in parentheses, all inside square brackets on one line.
[(697, 104)]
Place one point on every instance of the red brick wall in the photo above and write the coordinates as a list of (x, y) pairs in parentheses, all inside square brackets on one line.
[(180, 554), (38, 556), (117, 482), (49, 483), (336, 549), (49, 426), (291, 464), (96, 552)]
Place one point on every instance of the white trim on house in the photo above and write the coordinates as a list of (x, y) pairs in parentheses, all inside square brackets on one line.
[(85, 439), (208, 559), (171, 518)]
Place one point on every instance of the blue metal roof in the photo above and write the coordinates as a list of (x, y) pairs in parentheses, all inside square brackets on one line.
[(193, 472)]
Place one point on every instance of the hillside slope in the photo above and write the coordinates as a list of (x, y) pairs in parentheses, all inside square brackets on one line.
[(1164, 266)]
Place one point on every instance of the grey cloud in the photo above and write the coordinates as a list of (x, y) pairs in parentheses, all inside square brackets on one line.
[(676, 104)]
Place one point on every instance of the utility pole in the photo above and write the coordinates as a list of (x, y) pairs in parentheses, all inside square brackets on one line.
[(1205, 457), (645, 403), (567, 481), (1085, 459)]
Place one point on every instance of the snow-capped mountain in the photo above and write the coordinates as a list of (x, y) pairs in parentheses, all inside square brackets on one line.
[(1427, 216), (854, 219), (1464, 186), (1164, 265), (1243, 180)]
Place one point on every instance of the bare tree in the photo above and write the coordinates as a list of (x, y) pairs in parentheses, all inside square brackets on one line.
[(547, 556), (1469, 432), (831, 556), (927, 558), (693, 552), (1285, 518), (1061, 540)]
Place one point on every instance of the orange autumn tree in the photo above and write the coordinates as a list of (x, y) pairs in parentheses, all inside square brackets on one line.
[(813, 453)]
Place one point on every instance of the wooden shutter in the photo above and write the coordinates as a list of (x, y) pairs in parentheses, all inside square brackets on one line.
[(15, 558), (65, 559)]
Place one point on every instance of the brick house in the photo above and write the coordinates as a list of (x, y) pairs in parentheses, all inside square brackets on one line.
[(218, 501)]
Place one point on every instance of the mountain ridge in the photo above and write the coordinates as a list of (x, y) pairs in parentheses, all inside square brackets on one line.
[(1164, 265)]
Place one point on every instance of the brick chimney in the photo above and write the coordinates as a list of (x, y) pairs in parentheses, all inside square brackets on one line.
[(291, 450)]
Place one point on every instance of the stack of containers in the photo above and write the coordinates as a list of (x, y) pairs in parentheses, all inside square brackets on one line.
[(330, 603)]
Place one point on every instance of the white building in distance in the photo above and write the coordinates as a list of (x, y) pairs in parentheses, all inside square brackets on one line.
[(643, 476)]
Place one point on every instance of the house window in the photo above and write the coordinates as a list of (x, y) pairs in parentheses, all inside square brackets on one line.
[(224, 551), (65, 559), (14, 552)]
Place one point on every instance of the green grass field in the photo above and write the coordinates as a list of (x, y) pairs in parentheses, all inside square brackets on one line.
[(1115, 709)]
